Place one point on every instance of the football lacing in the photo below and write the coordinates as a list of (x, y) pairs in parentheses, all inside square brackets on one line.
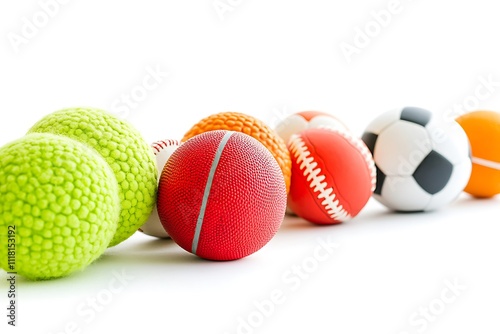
[(317, 180)]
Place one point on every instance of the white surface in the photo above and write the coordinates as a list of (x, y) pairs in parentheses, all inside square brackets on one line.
[(404, 193), (162, 149), (401, 147), (268, 59), (383, 120), (295, 123)]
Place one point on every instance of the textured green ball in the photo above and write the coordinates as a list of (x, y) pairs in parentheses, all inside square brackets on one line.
[(60, 199), (125, 150)]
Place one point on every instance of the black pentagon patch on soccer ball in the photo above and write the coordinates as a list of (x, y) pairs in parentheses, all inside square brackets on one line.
[(433, 173), (369, 139), (380, 182), (416, 115)]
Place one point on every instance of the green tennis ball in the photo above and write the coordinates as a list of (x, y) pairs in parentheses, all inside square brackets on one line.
[(60, 199), (125, 150)]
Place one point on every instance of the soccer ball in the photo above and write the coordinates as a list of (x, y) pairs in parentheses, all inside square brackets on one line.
[(422, 164)]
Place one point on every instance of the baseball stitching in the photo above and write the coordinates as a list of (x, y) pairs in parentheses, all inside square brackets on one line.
[(316, 180), (160, 145)]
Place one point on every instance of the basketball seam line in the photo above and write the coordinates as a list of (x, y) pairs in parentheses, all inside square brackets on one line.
[(486, 163), (316, 180), (206, 193)]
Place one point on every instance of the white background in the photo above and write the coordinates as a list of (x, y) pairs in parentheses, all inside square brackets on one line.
[(268, 59)]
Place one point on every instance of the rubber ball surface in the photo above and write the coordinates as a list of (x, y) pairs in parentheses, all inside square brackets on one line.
[(123, 147), (235, 121), (221, 195), (59, 201)]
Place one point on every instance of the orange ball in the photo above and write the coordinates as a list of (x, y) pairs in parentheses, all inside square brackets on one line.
[(483, 130), (235, 121)]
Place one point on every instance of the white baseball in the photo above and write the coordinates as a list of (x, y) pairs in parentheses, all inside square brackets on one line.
[(301, 121), (162, 149)]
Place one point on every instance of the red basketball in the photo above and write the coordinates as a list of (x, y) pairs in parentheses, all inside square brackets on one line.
[(221, 195), (333, 175)]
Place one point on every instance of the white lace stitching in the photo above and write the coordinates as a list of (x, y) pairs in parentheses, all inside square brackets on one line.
[(317, 180)]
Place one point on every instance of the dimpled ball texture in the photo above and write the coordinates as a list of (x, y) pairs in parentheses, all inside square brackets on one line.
[(61, 200), (235, 121), (221, 196), (124, 149)]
